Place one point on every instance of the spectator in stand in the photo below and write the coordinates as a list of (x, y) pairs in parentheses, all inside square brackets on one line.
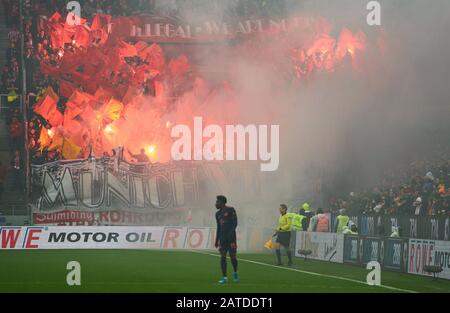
[(14, 35), (15, 133), (17, 171), (418, 206), (141, 157)]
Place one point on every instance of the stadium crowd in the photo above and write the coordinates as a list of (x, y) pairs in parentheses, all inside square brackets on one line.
[(420, 188)]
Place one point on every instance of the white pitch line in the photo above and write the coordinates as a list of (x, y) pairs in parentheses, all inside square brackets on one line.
[(311, 273)]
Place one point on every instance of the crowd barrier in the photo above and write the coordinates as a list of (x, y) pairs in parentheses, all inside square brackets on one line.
[(409, 255), (425, 227)]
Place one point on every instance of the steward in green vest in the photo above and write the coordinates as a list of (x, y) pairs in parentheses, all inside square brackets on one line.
[(302, 220), (291, 216), (307, 212), (12, 95), (296, 222), (341, 220)]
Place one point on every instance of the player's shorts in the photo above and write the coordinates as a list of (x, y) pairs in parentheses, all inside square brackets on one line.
[(230, 247), (284, 238)]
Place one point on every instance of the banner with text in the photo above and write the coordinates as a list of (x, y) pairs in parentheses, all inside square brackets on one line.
[(324, 246), (106, 237), (423, 252), (113, 192)]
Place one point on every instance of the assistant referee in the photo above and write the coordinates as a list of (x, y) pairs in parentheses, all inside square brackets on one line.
[(283, 235)]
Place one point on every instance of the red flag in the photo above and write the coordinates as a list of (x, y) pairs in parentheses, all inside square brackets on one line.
[(65, 88), (68, 33), (76, 34), (154, 56), (72, 129), (102, 95), (122, 26), (81, 98), (98, 37), (46, 107), (48, 69), (80, 78), (125, 49), (55, 18), (111, 110), (73, 109), (56, 32), (100, 20), (140, 45), (70, 61), (82, 36)]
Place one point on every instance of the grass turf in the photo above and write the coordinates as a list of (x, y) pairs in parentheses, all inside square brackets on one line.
[(187, 271)]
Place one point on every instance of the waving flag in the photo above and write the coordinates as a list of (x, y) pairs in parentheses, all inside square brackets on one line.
[(112, 110), (46, 107), (70, 150)]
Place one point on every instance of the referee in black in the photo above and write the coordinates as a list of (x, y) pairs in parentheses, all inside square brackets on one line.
[(226, 219)]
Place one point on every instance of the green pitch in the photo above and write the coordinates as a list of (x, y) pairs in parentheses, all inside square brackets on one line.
[(188, 271)]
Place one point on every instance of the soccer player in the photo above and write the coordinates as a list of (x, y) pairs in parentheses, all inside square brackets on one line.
[(226, 219), (283, 235)]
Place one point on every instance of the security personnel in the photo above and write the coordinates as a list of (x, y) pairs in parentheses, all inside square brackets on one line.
[(296, 222), (323, 223), (294, 219), (302, 220), (341, 220), (283, 234), (12, 95), (308, 213)]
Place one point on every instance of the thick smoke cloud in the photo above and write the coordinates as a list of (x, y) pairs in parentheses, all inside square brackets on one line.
[(346, 128)]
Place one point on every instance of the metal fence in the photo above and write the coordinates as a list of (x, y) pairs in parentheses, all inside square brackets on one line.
[(6, 106), (412, 226)]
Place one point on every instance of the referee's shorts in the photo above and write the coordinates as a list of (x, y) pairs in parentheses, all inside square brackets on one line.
[(284, 238)]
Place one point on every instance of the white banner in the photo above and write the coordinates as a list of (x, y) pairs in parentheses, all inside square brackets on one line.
[(106, 237), (424, 252), (324, 246)]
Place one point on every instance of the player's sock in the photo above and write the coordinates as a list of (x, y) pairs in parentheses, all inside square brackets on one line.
[(288, 252), (278, 253), (223, 265), (234, 262)]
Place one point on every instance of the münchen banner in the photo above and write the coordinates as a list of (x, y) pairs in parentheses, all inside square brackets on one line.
[(106, 191)]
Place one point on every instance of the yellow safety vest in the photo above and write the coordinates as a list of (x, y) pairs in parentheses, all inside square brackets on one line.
[(284, 223), (297, 220), (342, 221), (12, 95)]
